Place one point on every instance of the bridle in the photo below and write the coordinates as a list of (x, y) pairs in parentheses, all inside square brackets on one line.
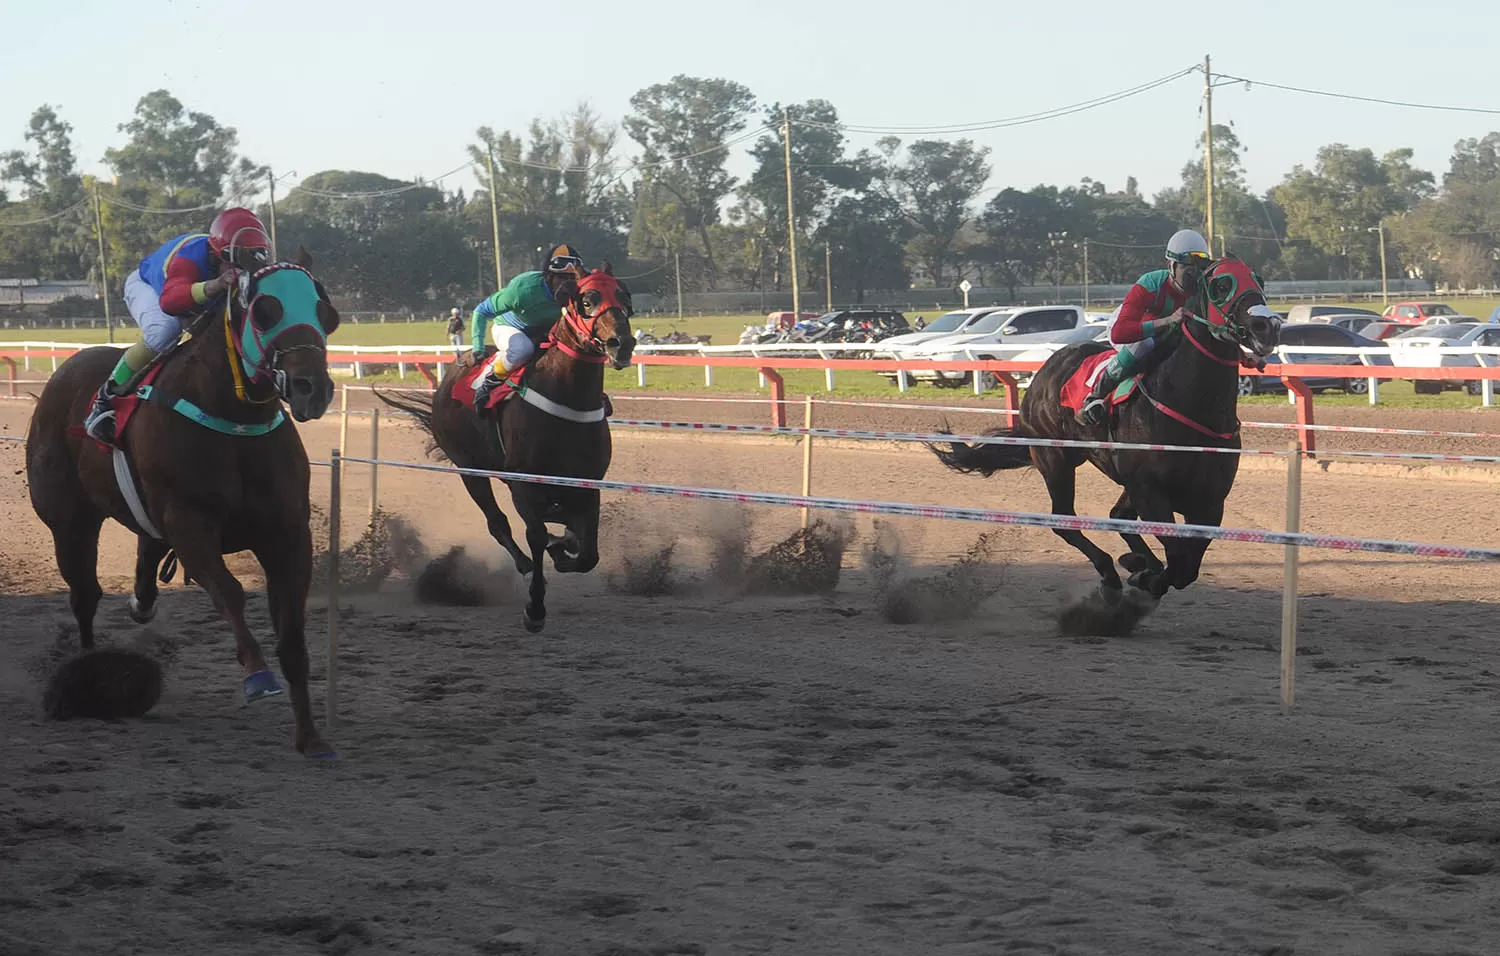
[(584, 324), (255, 356)]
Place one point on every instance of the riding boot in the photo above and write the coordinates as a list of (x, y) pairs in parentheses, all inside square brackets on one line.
[(99, 424), (482, 391), (1094, 412)]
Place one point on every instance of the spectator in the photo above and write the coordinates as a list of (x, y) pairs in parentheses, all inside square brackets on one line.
[(921, 323), (456, 330)]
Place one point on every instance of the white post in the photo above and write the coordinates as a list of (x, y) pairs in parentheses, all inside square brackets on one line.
[(708, 375), (828, 379), (374, 468), (358, 372), (901, 379), (807, 459), (760, 378), (331, 696), (343, 416), (26, 353), (1289, 579), (640, 374), (401, 369)]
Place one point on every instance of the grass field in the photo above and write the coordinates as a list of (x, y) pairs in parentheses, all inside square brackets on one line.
[(725, 330)]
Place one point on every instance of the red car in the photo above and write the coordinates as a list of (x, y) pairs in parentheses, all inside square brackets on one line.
[(1415, 313)]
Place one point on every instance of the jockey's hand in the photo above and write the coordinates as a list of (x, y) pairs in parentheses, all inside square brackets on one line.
[(470, 359), (1175, 317), (221, 283)]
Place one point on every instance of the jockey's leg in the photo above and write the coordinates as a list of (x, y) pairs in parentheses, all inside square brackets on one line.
[(513, 348), (158, 331), (1123, 364)]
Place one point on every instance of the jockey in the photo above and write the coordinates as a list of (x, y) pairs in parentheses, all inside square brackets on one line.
[(186, 277), (1153, 307), (528, 306)]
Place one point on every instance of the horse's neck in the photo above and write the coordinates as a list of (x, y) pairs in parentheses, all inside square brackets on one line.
[(566, 379), (1197, 381), (203, 375)]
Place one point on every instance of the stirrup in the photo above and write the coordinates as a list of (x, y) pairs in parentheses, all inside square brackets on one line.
[(99, 423), (1094, 413)]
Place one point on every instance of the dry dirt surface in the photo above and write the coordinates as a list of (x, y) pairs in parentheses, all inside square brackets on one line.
[(687, 769)]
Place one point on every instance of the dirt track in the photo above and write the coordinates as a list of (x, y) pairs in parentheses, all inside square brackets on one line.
[(712, 773)]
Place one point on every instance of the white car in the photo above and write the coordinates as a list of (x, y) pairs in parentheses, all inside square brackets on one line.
[(1418, 347), (1093, 332), (949, 324), (994, 337)]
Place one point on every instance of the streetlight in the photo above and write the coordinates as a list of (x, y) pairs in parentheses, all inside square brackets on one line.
[(1385, 295), (1056, 240)]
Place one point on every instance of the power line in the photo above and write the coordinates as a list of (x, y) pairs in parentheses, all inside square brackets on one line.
[(56, 215), (1021, 120), (136, 207), (1231, 78)]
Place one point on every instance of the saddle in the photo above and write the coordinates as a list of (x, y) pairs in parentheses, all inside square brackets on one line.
[(512, 385), (1076, 389)]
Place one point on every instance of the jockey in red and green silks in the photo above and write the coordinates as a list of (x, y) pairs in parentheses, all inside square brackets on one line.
[(1152, 308), (528, 306)]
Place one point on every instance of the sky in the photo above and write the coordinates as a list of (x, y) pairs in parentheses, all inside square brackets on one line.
[(399, 88)]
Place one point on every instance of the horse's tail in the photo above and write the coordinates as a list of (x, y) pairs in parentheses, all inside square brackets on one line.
[(985, 458), (418, 407)]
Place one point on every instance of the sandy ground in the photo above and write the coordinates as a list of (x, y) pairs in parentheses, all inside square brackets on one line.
[(706, 772)]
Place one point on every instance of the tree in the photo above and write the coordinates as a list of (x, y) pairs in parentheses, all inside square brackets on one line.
[(1475, 162), (182, 157), (50, 183), (935, 187), (684, 127), (1347, 194), (867, 234)]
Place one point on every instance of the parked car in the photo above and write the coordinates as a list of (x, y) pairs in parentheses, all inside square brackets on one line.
[(1352, 321), (1382, 329), (1317, 335), (1026, 326), (949, 324), (1415, 313), (1495, 316), (1417, 348), (1306, 313), (1092, 332)]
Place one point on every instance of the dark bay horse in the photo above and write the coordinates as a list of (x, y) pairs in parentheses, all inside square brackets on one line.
[(1188, 399), (218, 467), (556, 426)]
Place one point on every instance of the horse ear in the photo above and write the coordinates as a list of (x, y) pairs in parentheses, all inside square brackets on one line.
[(625, 300), (328, 316), (266, 313), (606, 268), (1258, 280), (303, 258)]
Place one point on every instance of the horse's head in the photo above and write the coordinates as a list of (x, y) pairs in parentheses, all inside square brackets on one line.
[(281, 334), (1237, 310), (598, 316)]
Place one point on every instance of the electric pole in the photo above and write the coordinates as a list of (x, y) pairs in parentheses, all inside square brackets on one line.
[(1208, 147), (791, 216), (828, 275), (677, 264), (271, 178), (495, 215), (103, 265)]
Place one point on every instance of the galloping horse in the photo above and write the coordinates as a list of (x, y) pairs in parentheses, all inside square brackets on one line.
[(205, 465), (554, 423), (1188, 399)]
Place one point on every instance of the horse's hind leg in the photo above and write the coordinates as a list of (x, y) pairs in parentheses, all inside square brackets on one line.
[(75, 539), (1141, 557), (482, 490), (1061, 475), (148, 557), (196, 537)]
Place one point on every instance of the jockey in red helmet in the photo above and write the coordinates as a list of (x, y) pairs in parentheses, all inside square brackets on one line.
[(185, 277)]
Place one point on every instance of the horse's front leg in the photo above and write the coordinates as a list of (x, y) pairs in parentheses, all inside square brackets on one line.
[(1152, 505), (287, 562), (1190, 552), (1061, 475), (530, 503), (1141, 557), (578, 552), (148, 557), (196, 536)]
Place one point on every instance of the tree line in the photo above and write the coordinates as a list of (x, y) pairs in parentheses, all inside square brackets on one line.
[(884, 217)]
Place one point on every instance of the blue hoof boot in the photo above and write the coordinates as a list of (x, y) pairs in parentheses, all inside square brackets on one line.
[(326, 756), (261, 684)]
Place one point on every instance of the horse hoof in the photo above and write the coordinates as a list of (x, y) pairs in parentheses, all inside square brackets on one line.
[(533, 625), (137, 615), (1136, 563), (260, 685)]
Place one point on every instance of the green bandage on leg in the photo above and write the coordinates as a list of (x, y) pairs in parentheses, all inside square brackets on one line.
[(136, 358)]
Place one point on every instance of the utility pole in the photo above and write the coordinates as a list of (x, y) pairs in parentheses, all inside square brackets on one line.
[(1085, 273), (677, 262), (1385, 295), (791, 216), (103, 265), (1208, 146), (828, 275), (495, 215), (271, 178)]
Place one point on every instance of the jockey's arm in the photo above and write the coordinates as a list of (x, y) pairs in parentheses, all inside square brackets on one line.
[(1138, 320), (185, 290), (486, 312)]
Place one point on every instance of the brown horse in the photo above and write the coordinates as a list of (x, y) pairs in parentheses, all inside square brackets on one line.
[(1188, 399), (556, 425), (218, 469)]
